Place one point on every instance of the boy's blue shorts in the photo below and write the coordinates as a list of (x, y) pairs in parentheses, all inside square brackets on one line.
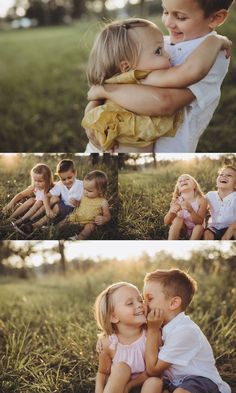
[(193, 384), (64, 210), (218, 233)]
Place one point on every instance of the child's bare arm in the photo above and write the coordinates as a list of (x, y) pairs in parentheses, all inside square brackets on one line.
[(199, 216), (104, 366), (155, 367), (229, 233), (17, 198), (144, 100), (106, 215), (46, 203), (194, 68), (171, 214)]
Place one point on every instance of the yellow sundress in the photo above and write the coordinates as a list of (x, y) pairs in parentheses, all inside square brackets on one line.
[(112, 123), (88, 209)]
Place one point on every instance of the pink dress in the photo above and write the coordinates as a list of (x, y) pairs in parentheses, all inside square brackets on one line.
[(183, 213), (131, 354)]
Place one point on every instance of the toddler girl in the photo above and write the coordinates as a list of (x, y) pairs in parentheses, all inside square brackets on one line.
[(187, 209), (41, 182), (93, 209), (120, 315), (131, 51)]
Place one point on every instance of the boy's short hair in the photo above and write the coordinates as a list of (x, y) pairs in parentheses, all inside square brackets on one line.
[(175, 282), (233, 168), (65, 165), (100, 179), (211, 6)]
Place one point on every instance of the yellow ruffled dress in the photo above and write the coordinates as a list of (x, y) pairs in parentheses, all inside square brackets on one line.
[(88, 209), (112, 123)]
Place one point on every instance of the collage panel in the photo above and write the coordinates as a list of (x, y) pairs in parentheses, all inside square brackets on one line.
[(58, 196), (177, 196), (49, 330)]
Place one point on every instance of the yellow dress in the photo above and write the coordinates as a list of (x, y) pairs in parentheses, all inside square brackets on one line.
[(88, 209), (112, 122)]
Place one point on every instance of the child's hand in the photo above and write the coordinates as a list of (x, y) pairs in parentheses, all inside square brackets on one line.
[(174, 207), (74, 202), (96, 92), (49, 213), (99, 220), (7, 208), (226, 45), (99, 346), (155, 318)]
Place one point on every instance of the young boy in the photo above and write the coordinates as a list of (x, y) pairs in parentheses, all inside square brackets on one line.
[(189, 23), (185, 359), (222, 206), (62, 198)]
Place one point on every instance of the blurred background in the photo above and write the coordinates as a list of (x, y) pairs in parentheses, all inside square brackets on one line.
[(146, 186), (44, 51), (47, 291)]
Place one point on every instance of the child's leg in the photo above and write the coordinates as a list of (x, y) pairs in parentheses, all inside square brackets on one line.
[(175, 229), (197, 232), (208, 235), (86, 231), (118, 379), (34, 208), (23, 208), (44, 220), (152, 385)]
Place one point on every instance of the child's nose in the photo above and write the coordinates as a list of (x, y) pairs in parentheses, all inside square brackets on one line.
[(169, 21)]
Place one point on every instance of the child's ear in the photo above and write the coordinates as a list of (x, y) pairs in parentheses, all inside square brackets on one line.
[(175, 302), (124, 66), (218, 18)]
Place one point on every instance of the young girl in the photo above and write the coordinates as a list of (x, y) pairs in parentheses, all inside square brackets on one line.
[(120, 315), (187, 209), (93, 209), (131, 51), (41, 182)]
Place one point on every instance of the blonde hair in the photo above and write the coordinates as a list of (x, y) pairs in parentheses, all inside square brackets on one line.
[(104, 307), (197, 189), (100, 179), (113, 45), (45, 171), (175, 282)]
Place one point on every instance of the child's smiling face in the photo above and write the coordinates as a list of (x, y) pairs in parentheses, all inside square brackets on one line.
[(184, 20), (185, 182), (68, 178), (226, 179)]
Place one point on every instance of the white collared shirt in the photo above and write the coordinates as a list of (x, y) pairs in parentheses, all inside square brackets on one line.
[(76, 191), (223, 211), (198, 114), (189, 352)]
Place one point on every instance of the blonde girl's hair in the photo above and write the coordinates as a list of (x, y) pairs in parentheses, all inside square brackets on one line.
[(113, 45), (104, 307), (45, 171), (197, 189)]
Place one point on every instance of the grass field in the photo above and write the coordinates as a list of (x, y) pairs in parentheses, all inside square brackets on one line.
[(48, 335), (145, 194), (43, 90), (15, 177)]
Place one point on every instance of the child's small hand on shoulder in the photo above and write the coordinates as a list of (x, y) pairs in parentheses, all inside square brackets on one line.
[(74, 202)]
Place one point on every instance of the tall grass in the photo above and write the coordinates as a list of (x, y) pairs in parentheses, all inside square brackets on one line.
[(48, 333)]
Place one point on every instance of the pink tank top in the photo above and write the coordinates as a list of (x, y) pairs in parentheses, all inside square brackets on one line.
[(187, 216), (132, 354)]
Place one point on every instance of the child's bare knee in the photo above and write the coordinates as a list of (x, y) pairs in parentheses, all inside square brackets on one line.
[(152, 384)]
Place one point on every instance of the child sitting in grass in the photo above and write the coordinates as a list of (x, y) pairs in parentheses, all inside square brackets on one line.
[(93, 209), (222, 206)]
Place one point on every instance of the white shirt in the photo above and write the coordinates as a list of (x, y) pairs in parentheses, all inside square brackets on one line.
[(76, 191), (223, 211), (198, 114), (189, 352)]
